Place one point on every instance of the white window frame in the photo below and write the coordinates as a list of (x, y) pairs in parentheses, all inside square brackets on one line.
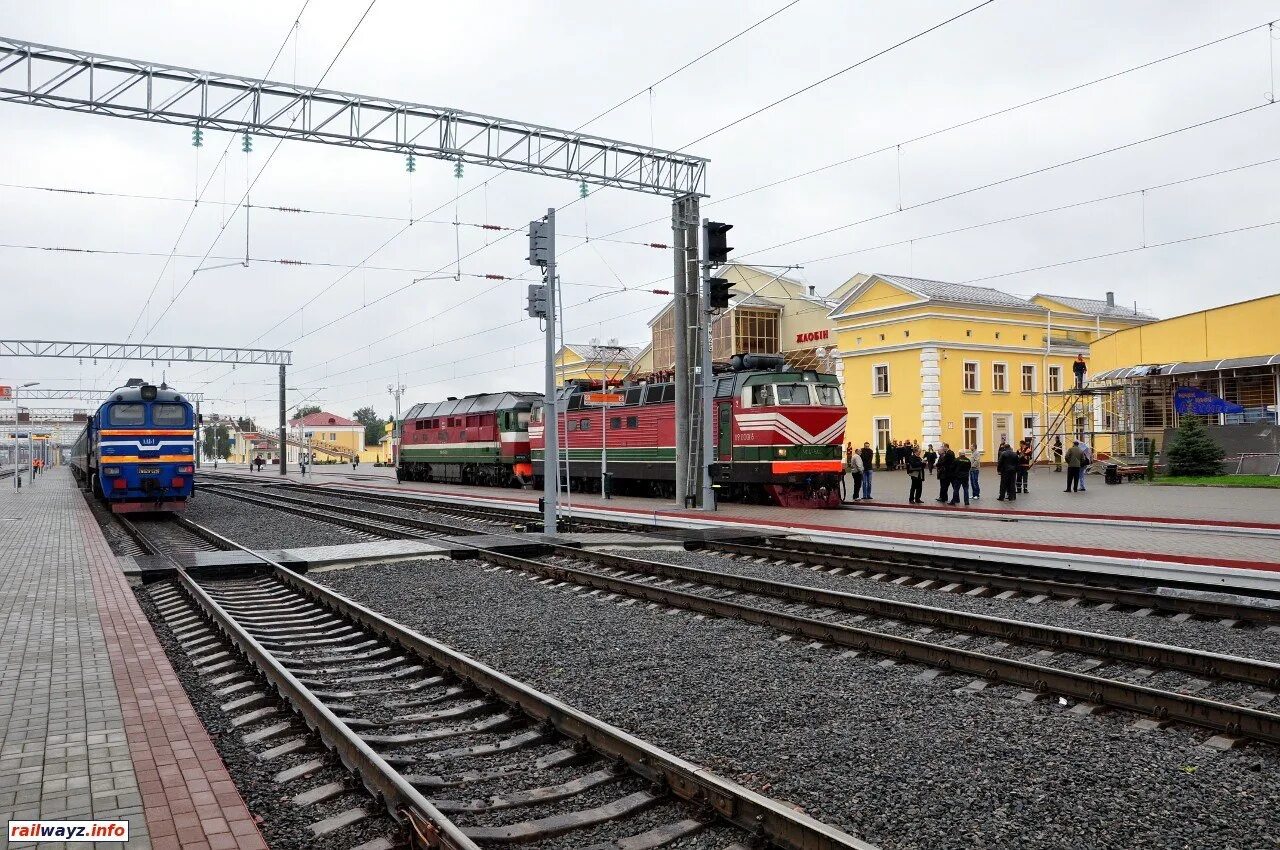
[(1022, 370), (888, 385), (875, 433), (977, 376), (994, 387), (1035, 430), (978, 430), (1055, 379)]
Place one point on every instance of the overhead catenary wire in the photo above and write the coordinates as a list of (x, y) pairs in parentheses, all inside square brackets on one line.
[(258, 176)]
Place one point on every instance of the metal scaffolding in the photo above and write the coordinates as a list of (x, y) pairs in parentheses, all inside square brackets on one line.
[(60, 78)]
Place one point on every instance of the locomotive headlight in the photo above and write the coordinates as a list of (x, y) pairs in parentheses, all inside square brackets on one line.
[(782, 452), (110, 470), (186, 469)]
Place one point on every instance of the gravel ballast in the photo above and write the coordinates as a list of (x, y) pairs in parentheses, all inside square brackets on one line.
[(1251, 642), (860, 744), (259, 527)]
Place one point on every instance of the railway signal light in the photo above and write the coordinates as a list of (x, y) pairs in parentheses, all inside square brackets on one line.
[(197, 138), (539, 242), (717, 293), (537, 306), (716, 234)]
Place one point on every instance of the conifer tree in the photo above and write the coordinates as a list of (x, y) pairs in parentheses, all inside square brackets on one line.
[(1193, 451)]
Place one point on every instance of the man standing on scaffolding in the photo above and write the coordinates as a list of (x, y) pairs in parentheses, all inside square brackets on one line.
[(1078, 368)]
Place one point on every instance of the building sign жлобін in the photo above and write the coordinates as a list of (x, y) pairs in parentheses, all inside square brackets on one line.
[(813, 336)]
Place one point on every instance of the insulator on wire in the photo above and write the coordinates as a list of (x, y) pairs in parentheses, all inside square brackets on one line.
[(410, 163), (582, 189), (197, 138), (247, 144), (457, 169)]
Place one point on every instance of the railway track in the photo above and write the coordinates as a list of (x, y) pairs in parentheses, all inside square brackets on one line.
[(459, 754), (1169, 683), (165, 536)]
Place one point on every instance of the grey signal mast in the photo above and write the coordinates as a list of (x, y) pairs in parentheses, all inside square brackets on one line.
[(542, 305)]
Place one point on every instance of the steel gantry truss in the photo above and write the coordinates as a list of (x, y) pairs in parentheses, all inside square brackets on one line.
[(150, 91), (83, 395), (142, 351)]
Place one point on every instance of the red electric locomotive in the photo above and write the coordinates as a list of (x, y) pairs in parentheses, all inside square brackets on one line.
[(778, 436)]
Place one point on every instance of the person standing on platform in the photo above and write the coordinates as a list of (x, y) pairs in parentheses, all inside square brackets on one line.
[(855, 471), (1075, 459), (868, 457), (915, 473), (1007, 469), (1079, 368), (1086, 459), (946, 461), (930, 458), (1057, 453), (848, 455), (960, 469), (1024, 466), (975, 462)]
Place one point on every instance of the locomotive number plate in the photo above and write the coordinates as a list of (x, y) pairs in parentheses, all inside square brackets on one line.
[(148, 470)]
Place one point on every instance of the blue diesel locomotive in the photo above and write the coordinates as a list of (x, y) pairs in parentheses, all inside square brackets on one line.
[(137, 451)]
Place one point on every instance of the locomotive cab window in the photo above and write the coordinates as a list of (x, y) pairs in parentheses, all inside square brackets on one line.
[(633, 421), (126, 414), (615, 422), (762, 395), (168, 414), (828, 395), (793, 394)]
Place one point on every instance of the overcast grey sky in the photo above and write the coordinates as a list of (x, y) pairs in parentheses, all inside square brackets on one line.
[(559, 63)]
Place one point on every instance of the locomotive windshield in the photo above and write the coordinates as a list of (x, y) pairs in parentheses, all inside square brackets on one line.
[(793, 394), (168, 414), (126, 414), (828, 395)]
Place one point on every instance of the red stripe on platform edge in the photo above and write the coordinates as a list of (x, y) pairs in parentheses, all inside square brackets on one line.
[(182, 780), (1195, 560)]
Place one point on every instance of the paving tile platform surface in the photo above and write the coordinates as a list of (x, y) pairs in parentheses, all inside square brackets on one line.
[(94, 722)]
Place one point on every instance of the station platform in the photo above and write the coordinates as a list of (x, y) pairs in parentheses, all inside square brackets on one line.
[(94, 722), (1230, 536)]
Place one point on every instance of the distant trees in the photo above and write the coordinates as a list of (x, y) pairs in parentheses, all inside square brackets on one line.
[(372, 422), (216, 441), (306, 410), (245, 424)]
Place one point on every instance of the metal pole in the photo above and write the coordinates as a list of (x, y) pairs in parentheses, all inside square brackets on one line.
[(696, 321), (16, 485), (550, 425), (197, 441), (708, 389), (283, 423), (680, 323)]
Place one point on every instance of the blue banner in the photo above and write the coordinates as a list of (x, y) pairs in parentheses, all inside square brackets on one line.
[(1195, 400)]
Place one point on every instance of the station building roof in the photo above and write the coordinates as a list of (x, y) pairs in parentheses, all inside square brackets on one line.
[(322, 420)]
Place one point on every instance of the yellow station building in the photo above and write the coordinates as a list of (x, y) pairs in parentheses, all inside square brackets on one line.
[(1230, 352), (595, 361), (966, 365)]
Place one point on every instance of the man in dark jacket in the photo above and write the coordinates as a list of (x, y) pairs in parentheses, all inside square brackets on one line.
[(960, 478), (915, 473), (1007, 468), (1078, 368), (946, 461), (867, 457)]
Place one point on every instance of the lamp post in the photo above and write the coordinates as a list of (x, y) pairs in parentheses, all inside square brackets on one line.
[(397, 389), (17, 478)]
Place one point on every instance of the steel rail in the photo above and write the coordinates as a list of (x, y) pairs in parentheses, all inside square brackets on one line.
[(752, 812), (359, 519), (1214, 664), (814, 553), (1232, 719), (403, 801)]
